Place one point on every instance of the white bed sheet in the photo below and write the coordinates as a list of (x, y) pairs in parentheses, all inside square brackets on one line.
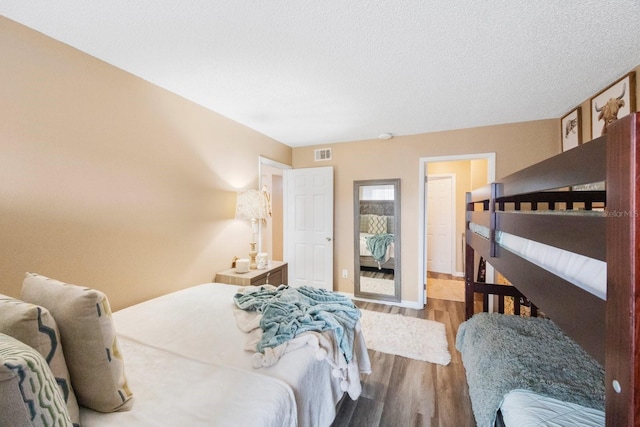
[(522, 408), (198, 323), (587, 273), (172, 390)]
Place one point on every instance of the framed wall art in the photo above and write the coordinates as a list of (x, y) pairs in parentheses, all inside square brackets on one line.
[(613, 103), (571, 128)]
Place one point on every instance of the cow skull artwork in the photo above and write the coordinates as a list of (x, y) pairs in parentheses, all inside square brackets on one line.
[(609, 111)]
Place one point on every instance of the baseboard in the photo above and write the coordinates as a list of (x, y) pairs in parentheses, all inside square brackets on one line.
[(404, 304), (458, 274)]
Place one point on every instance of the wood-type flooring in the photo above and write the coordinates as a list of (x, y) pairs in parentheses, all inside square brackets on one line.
[(404, 392)]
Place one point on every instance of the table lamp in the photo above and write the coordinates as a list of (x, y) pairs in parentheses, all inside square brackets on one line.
[(252, 205)]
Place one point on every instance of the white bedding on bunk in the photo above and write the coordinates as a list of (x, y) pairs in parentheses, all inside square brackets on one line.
[(198, 324), (522, 408), (587, 273)]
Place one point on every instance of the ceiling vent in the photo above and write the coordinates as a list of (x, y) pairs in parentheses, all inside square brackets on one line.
[(322, 154)]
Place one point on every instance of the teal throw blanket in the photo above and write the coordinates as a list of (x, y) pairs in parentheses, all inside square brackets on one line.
[(288, 312), (378, 244)]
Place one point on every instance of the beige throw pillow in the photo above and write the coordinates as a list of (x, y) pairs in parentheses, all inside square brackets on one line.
[(28, 390), (377, 224), (89, 341), (34, 326)]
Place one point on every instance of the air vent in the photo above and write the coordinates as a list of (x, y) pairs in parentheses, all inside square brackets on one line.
[(322, 154)]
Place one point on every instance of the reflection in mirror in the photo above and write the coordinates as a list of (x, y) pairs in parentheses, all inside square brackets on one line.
[(377, 239)]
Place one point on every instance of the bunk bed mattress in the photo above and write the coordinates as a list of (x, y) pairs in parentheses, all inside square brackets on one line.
[(587, 273), (523, 408), (199, 324)]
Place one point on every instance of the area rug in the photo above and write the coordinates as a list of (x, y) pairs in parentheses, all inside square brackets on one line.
[(377, 286), (406, 336)]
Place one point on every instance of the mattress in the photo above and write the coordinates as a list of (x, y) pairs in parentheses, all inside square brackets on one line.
[(172, 390), (522, 408), (587, 273), (198, 324)]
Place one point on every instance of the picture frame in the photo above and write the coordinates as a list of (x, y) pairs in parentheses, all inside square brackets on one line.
[(571, 129), (612, 103)]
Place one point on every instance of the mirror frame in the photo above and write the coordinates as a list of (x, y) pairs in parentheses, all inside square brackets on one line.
[(396, 297)]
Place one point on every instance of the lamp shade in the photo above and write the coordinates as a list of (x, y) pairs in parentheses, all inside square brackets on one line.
[(252, 204)]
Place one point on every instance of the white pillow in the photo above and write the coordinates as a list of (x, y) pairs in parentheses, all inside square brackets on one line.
[(89, 340)]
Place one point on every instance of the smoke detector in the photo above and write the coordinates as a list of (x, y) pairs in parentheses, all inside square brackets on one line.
[(385, 136)]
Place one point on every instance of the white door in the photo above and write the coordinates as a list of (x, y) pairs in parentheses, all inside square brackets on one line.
[(308, 226), (440, 222)]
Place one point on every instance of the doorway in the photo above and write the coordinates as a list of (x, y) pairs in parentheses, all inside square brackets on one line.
[(271, 234), (308, 229), (469, 171), (441, 213), (296, 233)]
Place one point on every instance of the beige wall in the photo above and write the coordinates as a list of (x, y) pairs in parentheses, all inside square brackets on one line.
[(111, 182), (516, 146)]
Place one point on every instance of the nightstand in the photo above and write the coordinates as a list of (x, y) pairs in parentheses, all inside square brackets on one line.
[(276, 274)]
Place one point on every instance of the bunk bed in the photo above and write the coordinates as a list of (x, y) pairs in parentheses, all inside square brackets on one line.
[(543, 204)]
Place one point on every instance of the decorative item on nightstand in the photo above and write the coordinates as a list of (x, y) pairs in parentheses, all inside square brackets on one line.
[(261, 261), (242, 265), (253, 205)]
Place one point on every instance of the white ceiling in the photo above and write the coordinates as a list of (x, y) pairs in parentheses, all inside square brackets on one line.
[(320, 71)]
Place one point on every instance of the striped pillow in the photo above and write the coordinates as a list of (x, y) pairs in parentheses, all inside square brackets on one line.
[(35, 327), (89, 340), (30, 394)]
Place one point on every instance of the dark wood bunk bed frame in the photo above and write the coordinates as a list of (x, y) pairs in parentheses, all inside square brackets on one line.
[(609, 330)]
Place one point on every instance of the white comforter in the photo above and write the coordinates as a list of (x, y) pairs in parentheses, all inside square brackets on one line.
[(171, 390), (198, 324)]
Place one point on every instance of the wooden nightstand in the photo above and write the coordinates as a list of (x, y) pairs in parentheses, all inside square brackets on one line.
[(276, 274)]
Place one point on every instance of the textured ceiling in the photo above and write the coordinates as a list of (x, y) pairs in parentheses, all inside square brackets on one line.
[(315, 72)]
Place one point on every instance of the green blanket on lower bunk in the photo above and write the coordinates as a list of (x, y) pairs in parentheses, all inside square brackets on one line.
[(501, 353)]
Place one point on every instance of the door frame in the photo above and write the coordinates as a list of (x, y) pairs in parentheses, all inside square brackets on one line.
[(422, 245), (452, 228), (262, 162)]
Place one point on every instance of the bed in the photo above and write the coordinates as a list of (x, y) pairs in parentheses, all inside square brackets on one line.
[(194, 331), (366, 257), (377, 227), (569, 247), (185, 358)]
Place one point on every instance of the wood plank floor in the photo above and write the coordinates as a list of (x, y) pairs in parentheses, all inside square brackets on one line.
[(405, 392)]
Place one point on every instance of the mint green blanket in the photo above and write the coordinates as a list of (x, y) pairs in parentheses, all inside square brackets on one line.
[(501, 353), (288, 312), (378, 244)]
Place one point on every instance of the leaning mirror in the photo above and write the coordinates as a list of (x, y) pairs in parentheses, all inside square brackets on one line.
[(377, 239)]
